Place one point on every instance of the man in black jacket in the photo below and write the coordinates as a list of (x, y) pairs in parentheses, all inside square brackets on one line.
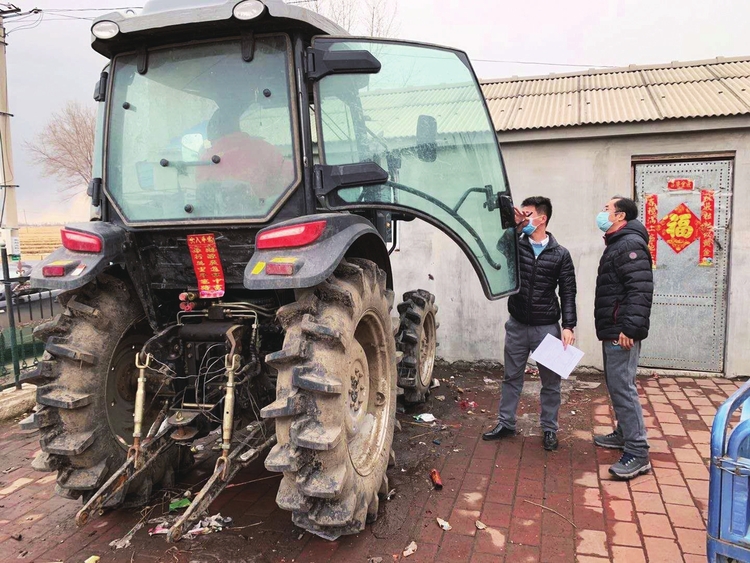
[(624, 290), (535, 312)]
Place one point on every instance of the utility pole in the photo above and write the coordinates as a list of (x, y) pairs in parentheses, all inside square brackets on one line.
[(8, 207)]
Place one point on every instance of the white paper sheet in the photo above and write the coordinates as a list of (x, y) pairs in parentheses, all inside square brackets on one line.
[(551, 354)]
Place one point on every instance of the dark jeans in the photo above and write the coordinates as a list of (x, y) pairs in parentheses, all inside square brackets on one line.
[(520, 341), (620, 367)]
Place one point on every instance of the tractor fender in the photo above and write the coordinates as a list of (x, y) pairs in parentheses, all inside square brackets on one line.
[(82, 267), (345, 235)]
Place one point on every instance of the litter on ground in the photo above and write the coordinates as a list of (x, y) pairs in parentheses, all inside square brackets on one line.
[(425, 417), (444, 525), (411, 549)]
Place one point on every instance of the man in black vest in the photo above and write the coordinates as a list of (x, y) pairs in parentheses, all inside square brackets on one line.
[(535, 312), (624, 291)]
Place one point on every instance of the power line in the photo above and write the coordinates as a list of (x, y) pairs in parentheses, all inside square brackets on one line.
[(539, 63)]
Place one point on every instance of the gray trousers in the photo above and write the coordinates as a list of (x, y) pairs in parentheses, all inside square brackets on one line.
[(520, 341), (620, 367)]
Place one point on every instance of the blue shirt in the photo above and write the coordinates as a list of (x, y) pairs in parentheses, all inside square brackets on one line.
[(537, 247)]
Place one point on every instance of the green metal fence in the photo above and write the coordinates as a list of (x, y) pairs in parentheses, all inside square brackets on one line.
[(18, 349)]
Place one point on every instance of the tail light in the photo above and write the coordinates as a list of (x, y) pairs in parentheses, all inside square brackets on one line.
[(59, 268), (80, 242), (290, 237)]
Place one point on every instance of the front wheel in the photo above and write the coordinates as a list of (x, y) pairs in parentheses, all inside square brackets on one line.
[(417, 339), (335, 401)]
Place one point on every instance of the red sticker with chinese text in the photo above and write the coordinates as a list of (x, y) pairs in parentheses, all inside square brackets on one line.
[(207, 266), (680, 184), (708, 208)]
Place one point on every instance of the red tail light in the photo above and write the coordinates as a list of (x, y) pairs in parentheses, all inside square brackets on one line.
[(80, 242), (292, 236)]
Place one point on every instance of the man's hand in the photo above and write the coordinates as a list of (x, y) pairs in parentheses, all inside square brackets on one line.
[(568, 338), (521, 219), (625, 342)]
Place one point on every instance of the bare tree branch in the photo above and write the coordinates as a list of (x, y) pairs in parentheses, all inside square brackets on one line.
[(374, 18), (65, 148)]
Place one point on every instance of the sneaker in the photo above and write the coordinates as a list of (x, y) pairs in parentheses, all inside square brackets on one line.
[(630, 466), (611, 440), (498, 433), (550, 441)]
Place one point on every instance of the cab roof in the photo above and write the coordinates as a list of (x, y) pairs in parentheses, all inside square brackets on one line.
[(163, 22)]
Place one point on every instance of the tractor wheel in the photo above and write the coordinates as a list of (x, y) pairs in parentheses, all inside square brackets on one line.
[(86, 392), (417, 339), (335, 405)]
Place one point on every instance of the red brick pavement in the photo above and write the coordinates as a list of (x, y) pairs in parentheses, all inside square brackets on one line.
[(512, 487)]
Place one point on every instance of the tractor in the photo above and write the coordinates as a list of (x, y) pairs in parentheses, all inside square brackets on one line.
[(234, 285)]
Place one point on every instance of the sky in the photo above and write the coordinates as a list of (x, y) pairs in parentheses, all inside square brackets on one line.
[(52, 63)]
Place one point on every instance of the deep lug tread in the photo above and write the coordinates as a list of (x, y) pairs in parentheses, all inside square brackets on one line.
[(334, 513), (68, 444), (58, 325), (311, 434), (44, 372), (314, 378), (290, 405), (42, 418), (289, 498), (410, 336), (322, 484), (91, 313), (80, 441), (289, 314), (45, 462), (58, 347), (83, 479), (296, 352), (71, 494), (283, 458), (352, 274), (321, 332), (331, 293), (62, 398)]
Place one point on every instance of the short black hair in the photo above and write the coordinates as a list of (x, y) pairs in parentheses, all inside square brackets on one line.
[(542, 205), (627, 206)]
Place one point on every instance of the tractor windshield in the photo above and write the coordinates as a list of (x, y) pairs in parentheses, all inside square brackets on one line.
[(199, 133)]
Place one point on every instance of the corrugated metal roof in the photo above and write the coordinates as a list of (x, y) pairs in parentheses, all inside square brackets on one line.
[(610, 80), (618, 106), (712, 88)]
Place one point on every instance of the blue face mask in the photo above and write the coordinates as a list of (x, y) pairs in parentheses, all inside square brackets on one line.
[(602, 221), (529, 229)]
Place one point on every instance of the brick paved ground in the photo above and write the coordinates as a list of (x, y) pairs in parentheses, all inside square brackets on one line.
[(656, 518)]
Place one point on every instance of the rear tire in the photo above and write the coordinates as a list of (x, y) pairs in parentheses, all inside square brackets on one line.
[(417, 339), (335, 402), (86, 392)]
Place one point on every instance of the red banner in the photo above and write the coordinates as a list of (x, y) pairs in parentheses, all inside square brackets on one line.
[(207, 266), (651, 223), (708, 212), (680, 184)]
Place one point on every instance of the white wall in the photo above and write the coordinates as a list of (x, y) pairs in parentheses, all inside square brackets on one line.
[(579, 175)]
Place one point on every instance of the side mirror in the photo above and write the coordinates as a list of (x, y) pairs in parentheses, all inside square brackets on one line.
[(427, 138), (192, 146), (100, 90)]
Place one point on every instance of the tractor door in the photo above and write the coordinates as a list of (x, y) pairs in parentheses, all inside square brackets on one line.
[(404, 127)]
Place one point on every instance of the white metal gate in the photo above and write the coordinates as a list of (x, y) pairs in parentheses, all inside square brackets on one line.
[(686, 207)]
